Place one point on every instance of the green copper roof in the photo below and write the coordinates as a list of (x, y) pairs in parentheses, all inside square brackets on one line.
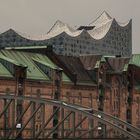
[(43, 60), (11, 60), (51, 65), (135, 60), (65, 77), (24, 58), (45, 63), (27, 59), (4, 72)]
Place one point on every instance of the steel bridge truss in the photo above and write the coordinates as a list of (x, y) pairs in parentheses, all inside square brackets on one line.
[(31, 117)]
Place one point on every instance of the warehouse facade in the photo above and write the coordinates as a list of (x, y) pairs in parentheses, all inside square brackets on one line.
[(106, 83)]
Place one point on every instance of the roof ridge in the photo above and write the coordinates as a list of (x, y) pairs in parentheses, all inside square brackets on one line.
[(104, 13)]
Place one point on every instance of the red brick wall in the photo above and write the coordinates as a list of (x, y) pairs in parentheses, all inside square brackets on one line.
[(136, 108), (115, 98)]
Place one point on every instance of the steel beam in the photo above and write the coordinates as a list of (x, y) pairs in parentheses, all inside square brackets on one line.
[(28, 120), (5, 119), (33, 107), (13, 116), (62, 126), (73, 123), (91, 125), (75, 127), (6, 105), (18, 119), (53, 130), (105, 120), (88, 131), (43, 120), (42, 129)]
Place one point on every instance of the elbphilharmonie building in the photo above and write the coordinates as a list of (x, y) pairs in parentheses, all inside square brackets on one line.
[(103, 36)]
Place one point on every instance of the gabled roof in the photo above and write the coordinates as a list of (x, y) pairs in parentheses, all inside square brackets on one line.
[(36, 64), (14, 62), (27, 59), (4, 72), (90, 62), (117, 64), (52, 66), (8, 66), (74, 68), (24, 58)]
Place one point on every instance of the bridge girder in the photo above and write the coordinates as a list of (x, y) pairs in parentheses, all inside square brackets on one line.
[(54, 127)]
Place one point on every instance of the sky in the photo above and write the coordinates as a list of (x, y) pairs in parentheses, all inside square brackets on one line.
[(35, 17)]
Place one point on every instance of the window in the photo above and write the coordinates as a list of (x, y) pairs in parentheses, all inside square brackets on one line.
[(7, 91), (90, 100), (38, 92), (68, 97), (80, 99)]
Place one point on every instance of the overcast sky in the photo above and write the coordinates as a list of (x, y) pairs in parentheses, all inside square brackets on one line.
[(35, 17)]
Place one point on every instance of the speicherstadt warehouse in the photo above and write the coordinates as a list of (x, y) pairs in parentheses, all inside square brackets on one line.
[(75, 83)]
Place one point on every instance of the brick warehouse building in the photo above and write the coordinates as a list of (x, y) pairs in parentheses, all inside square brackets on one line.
[(107, 83)]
